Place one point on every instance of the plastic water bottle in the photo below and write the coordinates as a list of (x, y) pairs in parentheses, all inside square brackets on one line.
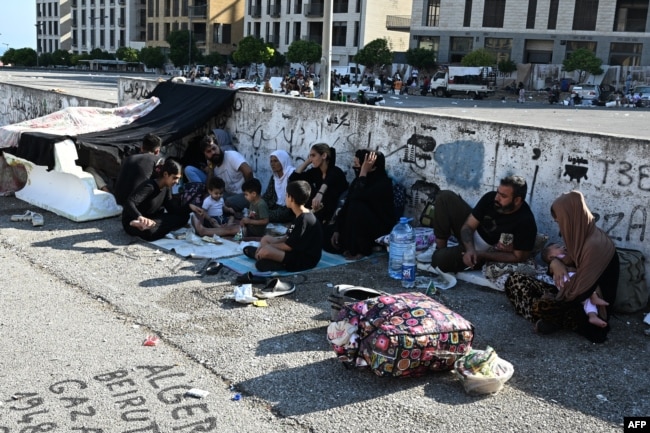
[(408, 267), (402, 237)]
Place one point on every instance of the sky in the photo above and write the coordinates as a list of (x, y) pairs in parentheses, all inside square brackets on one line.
[(17, 24)]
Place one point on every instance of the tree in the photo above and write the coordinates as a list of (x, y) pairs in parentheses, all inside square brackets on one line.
[(479, 57), (152, 57), (278, 60), (61, 57), (375, 53), (304, 52), (127, 54), (421, 58), (252, 50), (506, 67), (214, 59), (20, 57), (179, 42), (583, 61)]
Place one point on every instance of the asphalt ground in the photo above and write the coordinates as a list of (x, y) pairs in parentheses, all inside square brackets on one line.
[(79, 299)]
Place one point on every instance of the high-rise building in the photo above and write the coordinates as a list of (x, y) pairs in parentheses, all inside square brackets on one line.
[(534, 31), (354, 24), (81, 26)]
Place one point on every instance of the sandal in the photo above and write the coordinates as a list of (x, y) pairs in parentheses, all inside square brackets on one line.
[(544, 328), (27, 216), (250, 278), (276, 288), (250, 251), (37, 219), (213, 268)]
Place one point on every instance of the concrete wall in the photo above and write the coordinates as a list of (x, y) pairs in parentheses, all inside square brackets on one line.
[(468, 156), (25, 103)]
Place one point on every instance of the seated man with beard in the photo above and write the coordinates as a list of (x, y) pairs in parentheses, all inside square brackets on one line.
[(500, 228)]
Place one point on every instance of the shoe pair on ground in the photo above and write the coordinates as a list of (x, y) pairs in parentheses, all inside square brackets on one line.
[(273, 287), (262, 265), (35, 218)]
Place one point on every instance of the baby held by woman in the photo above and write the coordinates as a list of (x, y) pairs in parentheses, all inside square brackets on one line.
[(590, 305)]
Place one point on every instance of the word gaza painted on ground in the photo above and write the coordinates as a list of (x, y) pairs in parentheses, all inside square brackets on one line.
[(144, 399)]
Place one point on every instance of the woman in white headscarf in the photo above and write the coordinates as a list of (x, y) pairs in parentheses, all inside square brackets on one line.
[(282, 167)]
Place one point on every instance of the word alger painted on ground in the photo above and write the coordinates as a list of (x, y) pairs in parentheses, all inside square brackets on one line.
[(72, 404)]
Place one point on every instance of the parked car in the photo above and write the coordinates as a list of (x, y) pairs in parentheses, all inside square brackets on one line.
[(586, 91), (641, 94)]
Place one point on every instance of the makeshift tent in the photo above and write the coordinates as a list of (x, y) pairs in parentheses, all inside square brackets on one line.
[(183, 109)]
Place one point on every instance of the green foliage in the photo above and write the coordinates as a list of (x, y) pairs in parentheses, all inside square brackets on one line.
[(583, 61), (152, 57), (507, 66), (479, 57), (375, 53), (252, 50), (422, 58), (304, 52), (127, 54), (278, 60), (179, 42), (214, 59), (20, 57)]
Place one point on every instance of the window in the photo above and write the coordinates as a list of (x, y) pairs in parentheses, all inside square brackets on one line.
[(287, 30), (150, 31), (340, 6), (357, 32), (493, 13), (552, 14), (430, 43), (621, 54), (296, 31), (532, 13), (226, 33), (339, 33), (176, 8), (467, 17), (572, 46), (459, 47), (433, 13), (631, 15), (168, 8), (500, 47), (150, 10), (289, 8), (586, 19)]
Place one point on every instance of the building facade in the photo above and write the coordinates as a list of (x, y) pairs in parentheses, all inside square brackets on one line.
[(354, 24), (80, 26), (215, 24), (534, 31)]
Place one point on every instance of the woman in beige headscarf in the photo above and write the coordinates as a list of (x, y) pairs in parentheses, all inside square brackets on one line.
[(597, 266)]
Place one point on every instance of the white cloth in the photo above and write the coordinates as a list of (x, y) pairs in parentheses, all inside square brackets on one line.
[(229, 171), (281, 182)]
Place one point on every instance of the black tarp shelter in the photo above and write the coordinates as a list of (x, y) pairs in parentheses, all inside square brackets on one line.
[(184, 108)]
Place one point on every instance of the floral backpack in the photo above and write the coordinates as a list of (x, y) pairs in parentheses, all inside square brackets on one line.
[(402, 335)]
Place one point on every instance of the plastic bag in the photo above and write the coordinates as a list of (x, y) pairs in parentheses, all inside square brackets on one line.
[(482, 371)]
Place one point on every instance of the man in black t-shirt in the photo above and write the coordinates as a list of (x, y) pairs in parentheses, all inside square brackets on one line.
[(500, 228)]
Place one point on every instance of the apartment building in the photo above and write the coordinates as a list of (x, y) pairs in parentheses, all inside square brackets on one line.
[(354, 24), (534, 31), (215, 25), (80, 26)]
